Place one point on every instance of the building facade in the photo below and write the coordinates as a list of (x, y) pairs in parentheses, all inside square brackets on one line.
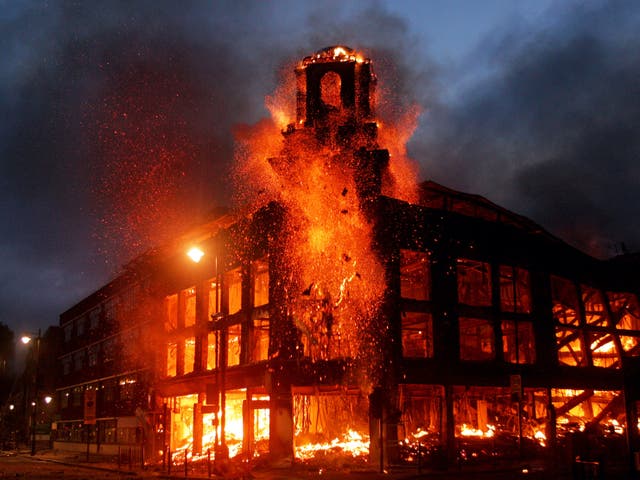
[(447, 330)]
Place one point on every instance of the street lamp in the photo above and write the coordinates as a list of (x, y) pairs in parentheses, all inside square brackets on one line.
[(26, 339)]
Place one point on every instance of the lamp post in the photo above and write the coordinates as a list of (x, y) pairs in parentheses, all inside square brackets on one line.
[(221, 450), (26, 339)]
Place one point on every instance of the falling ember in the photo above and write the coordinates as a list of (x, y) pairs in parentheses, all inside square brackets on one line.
[(324, 172)]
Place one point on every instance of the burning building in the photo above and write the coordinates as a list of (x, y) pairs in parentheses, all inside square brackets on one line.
[(339, 323)]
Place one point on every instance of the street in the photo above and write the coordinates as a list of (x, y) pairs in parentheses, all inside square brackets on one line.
[(23, 466)]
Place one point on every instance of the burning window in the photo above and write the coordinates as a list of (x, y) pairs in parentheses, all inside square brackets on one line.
[(625, 309), (234, 336), (487, 421), (604, 351), (189, 306), (127, 387), (332, 423), (415, 279), (213, 298), (260, 283), (421, 425), (595, 311), (172, 357), (589, 410), (630, 345), (515, 289), (260, 339), (570, 347), (518, 342), (565, 301), (233, 280), (476, 339), (182, 421), (171, 312), (474, 282), (212, 362), (189, 354), (417, 335)]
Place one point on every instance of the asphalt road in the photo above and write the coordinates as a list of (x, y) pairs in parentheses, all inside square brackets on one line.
[(24, 467)]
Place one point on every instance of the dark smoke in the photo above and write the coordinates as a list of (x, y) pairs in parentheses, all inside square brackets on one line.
[(553, 130), (116, 125)]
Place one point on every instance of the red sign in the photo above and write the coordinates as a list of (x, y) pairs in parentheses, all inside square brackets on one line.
[(89, 407)]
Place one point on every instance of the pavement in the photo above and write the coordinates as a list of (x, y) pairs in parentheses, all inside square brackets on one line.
[(71, 464)]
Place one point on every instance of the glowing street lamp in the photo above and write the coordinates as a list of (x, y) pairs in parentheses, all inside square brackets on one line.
[(48, 399), (26, 339), (195, 254)]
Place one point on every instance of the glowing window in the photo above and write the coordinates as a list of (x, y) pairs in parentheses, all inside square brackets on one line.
[(260, 283), (570, 347), (189, 306), (565, 301), (578, 410), (474, 282), (211, 351), (604, 351), (476, 339), (630, 345), (625, 310), (234, 337), (171, 312), (515, 289), (417, 335), (595, 311), (414, 275), (189, 354), (518, 342), (172, 355), (233, 280), (214, 299), (260, 339)]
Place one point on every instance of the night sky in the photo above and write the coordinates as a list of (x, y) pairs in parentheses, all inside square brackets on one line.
[(117, 118)]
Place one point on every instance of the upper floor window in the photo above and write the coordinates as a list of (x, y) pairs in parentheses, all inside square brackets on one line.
[(172, 356), (80, 322), (595, 310), (564, 296), (66, 365), (477, 339), (515, 289), (171, 312), (625, 310), (189, 306), (189, 354), (415, 278), (234, 336), (474, 282), (78, 360), (68, 331), (417, 335), (260, 341), (92, 355), (212, 360), (213, 298), (94, 319), (233, 282), (260, 270), (518, 341)]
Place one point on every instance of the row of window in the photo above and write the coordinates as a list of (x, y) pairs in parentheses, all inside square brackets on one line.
[(103, 432), (107, 391), (592, 328), (99, 353)]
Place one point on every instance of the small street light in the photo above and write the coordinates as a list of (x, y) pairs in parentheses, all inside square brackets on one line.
[(26, 339)]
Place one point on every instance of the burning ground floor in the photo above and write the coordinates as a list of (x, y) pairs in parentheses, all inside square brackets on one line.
[(434, 426)]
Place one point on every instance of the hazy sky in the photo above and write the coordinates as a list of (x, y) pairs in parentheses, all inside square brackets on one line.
[(117, 117)]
